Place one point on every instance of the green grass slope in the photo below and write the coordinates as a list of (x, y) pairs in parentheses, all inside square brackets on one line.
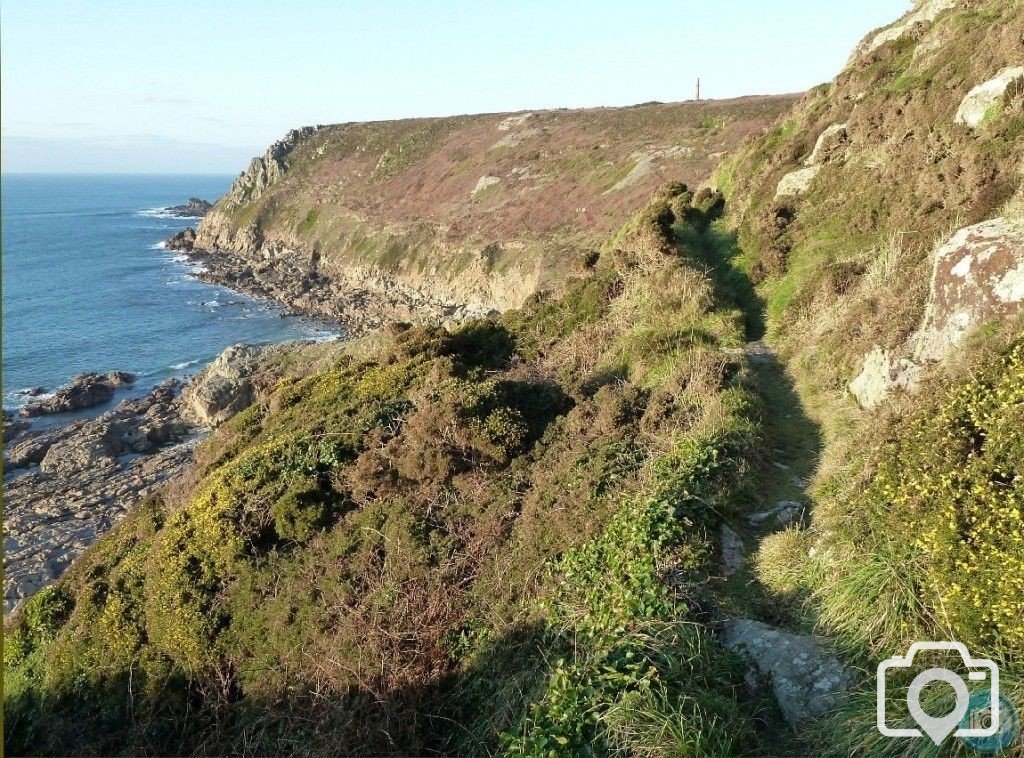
[(494, 539)]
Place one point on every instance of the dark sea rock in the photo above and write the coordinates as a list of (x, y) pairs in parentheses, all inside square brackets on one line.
[(13, 426), (84, 391), (194, 207), (32, 392), (183, 240)]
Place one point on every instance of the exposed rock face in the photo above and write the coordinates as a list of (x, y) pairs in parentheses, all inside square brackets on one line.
[(90, 474), (881, 374), (797, 182), (360, 298), (84, 391), (13, 426), (193, 208), (183, 240), (925, 11), (264, 171), (806, 677), (977, 103), (978, 277), (223, 388)]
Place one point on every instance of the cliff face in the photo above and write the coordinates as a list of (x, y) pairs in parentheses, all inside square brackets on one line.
[(845, 207), (474, 210)]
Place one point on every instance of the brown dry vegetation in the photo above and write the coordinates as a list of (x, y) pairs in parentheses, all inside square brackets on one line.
[(401, 195)]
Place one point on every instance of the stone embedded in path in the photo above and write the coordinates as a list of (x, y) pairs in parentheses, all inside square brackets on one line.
[(734, 554), (785, 513), (806, 678)]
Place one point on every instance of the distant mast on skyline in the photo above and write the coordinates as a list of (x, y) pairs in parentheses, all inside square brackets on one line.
[(698, 89)]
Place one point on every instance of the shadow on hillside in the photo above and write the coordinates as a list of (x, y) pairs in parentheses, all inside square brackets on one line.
[(719, 250), (460, 713)]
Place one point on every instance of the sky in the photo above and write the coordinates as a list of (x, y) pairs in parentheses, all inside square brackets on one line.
[(194, 86)]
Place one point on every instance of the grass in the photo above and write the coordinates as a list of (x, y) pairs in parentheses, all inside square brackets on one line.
[(400, 552)]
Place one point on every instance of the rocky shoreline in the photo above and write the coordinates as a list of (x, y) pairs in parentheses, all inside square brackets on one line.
[(360, 302), (67, 485)]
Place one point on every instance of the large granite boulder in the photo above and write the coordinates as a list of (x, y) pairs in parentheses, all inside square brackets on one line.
[(223, 388), (978, 276), (805, 676), (980, 101)]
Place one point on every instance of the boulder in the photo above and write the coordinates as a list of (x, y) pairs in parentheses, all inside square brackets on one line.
[(797, 182), (806, 678), (84, 391), (977, 104), (881, 374), (977, 277), (223, 388)]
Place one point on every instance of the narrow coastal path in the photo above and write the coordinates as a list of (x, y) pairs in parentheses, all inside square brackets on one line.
[(799, 669)]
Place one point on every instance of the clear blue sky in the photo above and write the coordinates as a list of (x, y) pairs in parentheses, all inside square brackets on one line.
[(201, 85)]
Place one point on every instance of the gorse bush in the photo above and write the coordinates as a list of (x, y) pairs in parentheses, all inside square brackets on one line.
[(421, 531)]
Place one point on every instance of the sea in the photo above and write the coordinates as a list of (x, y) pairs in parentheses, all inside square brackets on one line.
[(87, 285)]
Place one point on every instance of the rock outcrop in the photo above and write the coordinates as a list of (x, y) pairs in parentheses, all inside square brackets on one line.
[(266, 169), (90, 474), (881, 374), (184, 240), (925, 12), (84, 391), (194, 208), (977, 278), (831, 145), (805, 676), (980, 101), (223, 388)]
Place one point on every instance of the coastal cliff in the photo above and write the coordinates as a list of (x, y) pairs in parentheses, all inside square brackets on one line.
[(744, 441), (430, 218)]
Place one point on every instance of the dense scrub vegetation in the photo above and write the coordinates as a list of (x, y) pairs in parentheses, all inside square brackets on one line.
[(916, 531), (504, 538), (488, 539)]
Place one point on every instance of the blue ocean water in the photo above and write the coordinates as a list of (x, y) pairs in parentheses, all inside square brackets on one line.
[(86, 288)]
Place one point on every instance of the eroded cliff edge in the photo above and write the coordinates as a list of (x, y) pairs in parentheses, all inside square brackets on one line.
[(434, 219)]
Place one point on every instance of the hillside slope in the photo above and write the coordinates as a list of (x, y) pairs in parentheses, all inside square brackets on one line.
[(480, 211), (655, 513)]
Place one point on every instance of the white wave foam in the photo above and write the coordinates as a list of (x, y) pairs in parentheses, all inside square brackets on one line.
[(158, 246), (184, 364)]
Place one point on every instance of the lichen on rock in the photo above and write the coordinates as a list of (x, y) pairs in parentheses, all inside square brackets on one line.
[(978, 103)]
